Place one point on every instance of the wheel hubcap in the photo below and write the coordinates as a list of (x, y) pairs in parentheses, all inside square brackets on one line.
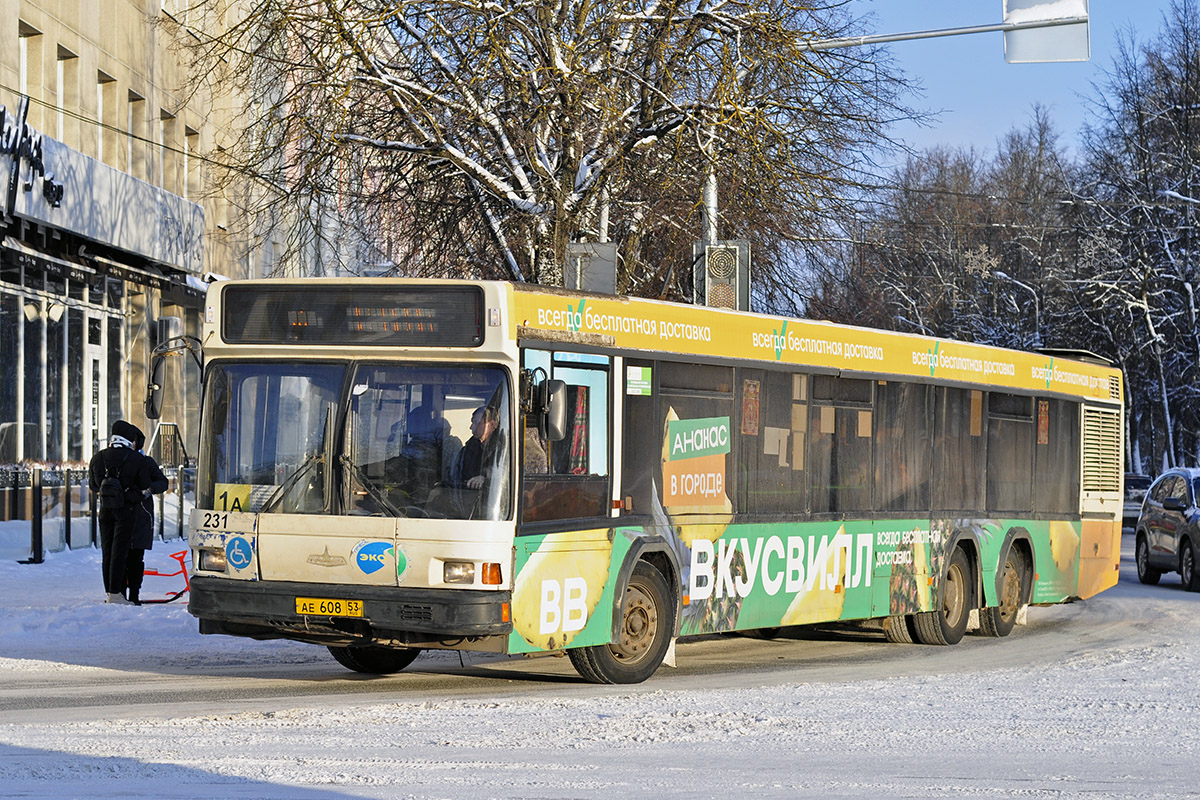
[(638, 627), (955, 598), (1189, 564), (1010, 594)]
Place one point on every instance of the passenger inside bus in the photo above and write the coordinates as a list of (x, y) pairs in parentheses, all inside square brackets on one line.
[(472, 469), (471, 463), (420, 457)]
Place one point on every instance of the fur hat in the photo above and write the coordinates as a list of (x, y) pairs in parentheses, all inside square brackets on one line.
[(127, 430)]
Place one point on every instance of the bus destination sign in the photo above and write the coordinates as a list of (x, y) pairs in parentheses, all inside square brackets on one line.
[(371, 315)]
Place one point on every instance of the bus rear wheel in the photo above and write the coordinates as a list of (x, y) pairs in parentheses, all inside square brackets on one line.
[(646, 627), (999, 620), (899, 629), (373, 659), (947, 624)]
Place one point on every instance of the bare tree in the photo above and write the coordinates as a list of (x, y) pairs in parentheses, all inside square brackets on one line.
[(965, 246), (1096, 256), (480, 138), (1142, 153)]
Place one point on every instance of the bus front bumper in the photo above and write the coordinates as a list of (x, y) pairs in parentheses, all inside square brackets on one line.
[(411, 617)]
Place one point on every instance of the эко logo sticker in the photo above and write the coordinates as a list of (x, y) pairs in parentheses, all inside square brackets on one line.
[(371, 556)]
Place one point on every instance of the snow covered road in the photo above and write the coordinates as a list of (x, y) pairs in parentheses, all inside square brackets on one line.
[(1095, 698)]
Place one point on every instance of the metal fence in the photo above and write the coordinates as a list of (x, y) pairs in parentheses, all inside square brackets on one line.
[(47, 510)]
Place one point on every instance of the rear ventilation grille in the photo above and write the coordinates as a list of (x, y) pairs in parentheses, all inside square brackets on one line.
[(1101, 450), (1114, 387)]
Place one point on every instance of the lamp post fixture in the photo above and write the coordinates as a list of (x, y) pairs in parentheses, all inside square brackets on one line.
[(1037, 318)]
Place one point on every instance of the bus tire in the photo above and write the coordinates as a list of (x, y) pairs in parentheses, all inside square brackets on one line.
[(999, 620), (1187, 566), (373, 659), (947, 624), (1146, 573), (646, 626), (899, 629)]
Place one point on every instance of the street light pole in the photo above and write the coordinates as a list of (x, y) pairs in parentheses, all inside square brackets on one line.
[(887, 38), (1037, 318)]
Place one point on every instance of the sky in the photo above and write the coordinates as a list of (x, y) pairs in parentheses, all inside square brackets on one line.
[(1090, 699), (980, 95)]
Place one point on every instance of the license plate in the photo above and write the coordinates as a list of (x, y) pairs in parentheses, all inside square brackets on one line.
[(326, 607)]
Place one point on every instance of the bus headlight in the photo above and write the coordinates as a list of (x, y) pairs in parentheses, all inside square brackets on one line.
[(458, 572), (211, 560)]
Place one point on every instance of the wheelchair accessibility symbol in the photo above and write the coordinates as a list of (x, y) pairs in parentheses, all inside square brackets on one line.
[(238, 552)]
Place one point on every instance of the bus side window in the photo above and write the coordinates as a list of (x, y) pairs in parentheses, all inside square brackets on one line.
[(959, 450), (903, 447), (773, 421), (569, 478), (840, 445), (639, 463), (1009, 460), (693, 445), (1056, 457), (533, 449)]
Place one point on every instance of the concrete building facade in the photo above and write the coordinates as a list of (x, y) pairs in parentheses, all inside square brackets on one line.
[(108, 227)]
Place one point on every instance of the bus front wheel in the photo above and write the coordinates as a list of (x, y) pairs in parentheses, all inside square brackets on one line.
[(646, 626), (946, 625), (374, 660)]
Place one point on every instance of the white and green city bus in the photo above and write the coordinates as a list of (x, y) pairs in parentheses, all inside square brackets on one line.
[(393, 465)]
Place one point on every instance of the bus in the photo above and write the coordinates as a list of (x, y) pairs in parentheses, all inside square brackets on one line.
[(391, 465)]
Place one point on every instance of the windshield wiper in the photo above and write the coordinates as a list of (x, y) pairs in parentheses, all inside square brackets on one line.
[(301, 471), (372, 488)]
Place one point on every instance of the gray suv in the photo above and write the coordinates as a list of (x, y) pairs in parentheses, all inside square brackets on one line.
[(1168, 529)]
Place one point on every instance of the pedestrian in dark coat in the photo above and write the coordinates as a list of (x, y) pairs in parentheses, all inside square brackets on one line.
[(122, 459), (143, 528)]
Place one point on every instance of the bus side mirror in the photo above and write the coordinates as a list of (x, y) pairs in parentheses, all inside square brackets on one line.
[(552, 410), (154, 389), (175, 345)]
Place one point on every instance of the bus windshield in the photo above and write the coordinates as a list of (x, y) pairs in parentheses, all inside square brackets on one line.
[(266, 432), (415, 440), (427, 441)]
